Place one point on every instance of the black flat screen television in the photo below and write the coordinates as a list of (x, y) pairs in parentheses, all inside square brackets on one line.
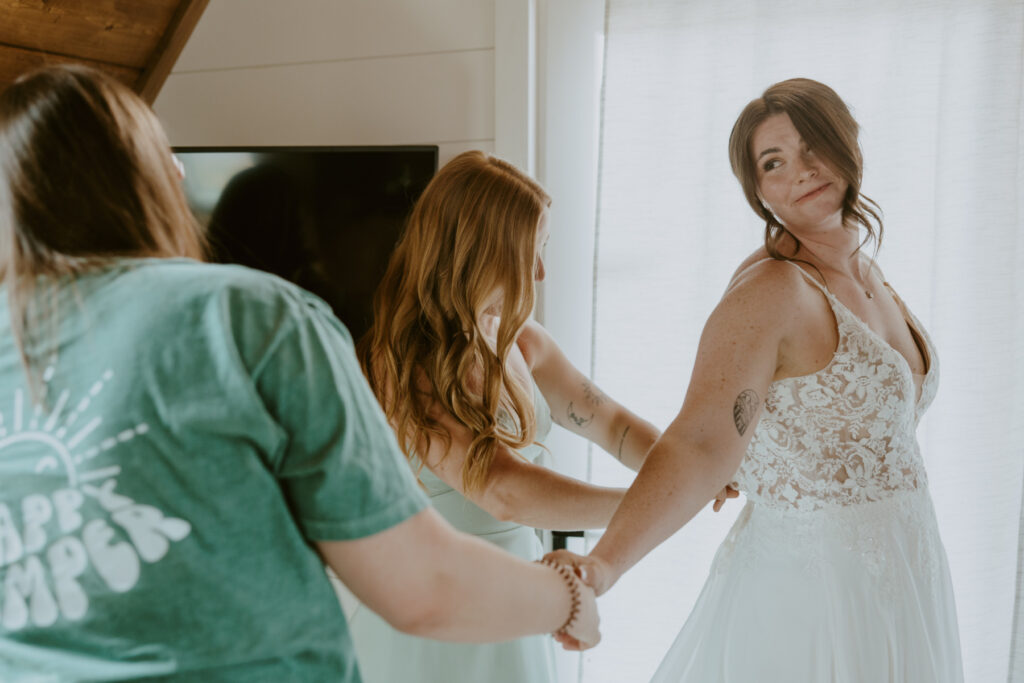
[(325, 218)]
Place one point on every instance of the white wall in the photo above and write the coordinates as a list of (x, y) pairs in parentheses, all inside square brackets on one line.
[(323, 72)]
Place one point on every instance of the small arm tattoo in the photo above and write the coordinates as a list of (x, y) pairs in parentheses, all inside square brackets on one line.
[(577, 419), (622, 441), (744, 409), (593, 394)]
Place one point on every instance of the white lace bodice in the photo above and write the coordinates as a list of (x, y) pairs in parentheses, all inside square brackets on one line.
[(845, 434)]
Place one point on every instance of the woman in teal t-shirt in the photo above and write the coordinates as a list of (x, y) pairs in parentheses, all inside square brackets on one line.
[(183, 445)]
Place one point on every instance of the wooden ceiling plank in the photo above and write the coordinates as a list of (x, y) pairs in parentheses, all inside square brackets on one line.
[(111, 31), (167, 51), (15, 61)]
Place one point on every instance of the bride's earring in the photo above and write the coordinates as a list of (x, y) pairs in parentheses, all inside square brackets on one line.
[(767, 212)]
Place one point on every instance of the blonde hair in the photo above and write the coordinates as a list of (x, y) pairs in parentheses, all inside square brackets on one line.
[(86, 176), (472, 232), (826, 126)]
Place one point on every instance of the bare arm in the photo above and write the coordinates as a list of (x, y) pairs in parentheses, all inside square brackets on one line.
[(519, 491), (700, 451), (425, 578), (579, 406)]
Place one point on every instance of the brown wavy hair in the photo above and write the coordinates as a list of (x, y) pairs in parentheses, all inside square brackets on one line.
[(826, 126), (86, 176), (472, 232)]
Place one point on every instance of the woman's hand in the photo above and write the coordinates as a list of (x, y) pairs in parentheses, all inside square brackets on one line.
[(596, 573), (728, 492), (592, 571), (584, 632)]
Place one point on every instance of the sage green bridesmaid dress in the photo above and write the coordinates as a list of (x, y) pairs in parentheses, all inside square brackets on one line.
[(389, 656)]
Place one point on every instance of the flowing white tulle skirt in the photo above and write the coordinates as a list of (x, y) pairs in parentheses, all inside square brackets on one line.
[(852, 594)]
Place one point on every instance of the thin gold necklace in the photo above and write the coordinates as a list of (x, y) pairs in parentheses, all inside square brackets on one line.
[(867, 292)]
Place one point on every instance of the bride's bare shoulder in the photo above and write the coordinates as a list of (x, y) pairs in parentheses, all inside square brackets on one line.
[(763, 275), (761, 254), (766, 297)]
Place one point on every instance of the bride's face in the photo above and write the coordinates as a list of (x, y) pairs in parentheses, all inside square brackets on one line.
[(799, 187)]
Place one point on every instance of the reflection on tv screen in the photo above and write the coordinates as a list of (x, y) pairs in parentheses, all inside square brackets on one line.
[(326, 219)]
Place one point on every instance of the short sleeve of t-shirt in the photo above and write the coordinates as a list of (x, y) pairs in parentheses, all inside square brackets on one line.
[(339, 465)]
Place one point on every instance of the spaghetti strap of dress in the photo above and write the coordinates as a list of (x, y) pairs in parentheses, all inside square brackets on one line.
[(747, 269), (823, 288)]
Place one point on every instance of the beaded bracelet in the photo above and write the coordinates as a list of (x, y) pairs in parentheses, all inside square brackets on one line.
[(574, 592)]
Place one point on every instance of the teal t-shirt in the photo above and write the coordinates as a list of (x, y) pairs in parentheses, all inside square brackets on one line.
[(196, 429)]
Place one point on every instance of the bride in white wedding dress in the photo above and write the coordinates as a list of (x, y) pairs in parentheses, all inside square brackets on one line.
[(809, 383)]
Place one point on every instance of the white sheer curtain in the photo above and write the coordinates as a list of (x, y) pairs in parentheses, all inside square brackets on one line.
[(937, 88)]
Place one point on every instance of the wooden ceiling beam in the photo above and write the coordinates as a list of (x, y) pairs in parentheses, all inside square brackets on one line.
[(110, 31), (15, 61), (169, 48), (137, 41)]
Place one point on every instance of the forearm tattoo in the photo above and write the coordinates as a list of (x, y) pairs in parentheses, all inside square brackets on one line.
[(577, 419), (593, 394), (744, 409), (622, 441)]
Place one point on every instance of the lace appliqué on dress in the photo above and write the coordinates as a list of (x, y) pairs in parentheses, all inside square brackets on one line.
[(843, 435)]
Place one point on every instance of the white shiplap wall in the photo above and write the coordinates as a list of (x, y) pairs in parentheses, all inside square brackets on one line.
[(330, 72)]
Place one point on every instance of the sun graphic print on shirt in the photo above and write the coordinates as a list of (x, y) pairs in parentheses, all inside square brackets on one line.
[(73, 519)]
